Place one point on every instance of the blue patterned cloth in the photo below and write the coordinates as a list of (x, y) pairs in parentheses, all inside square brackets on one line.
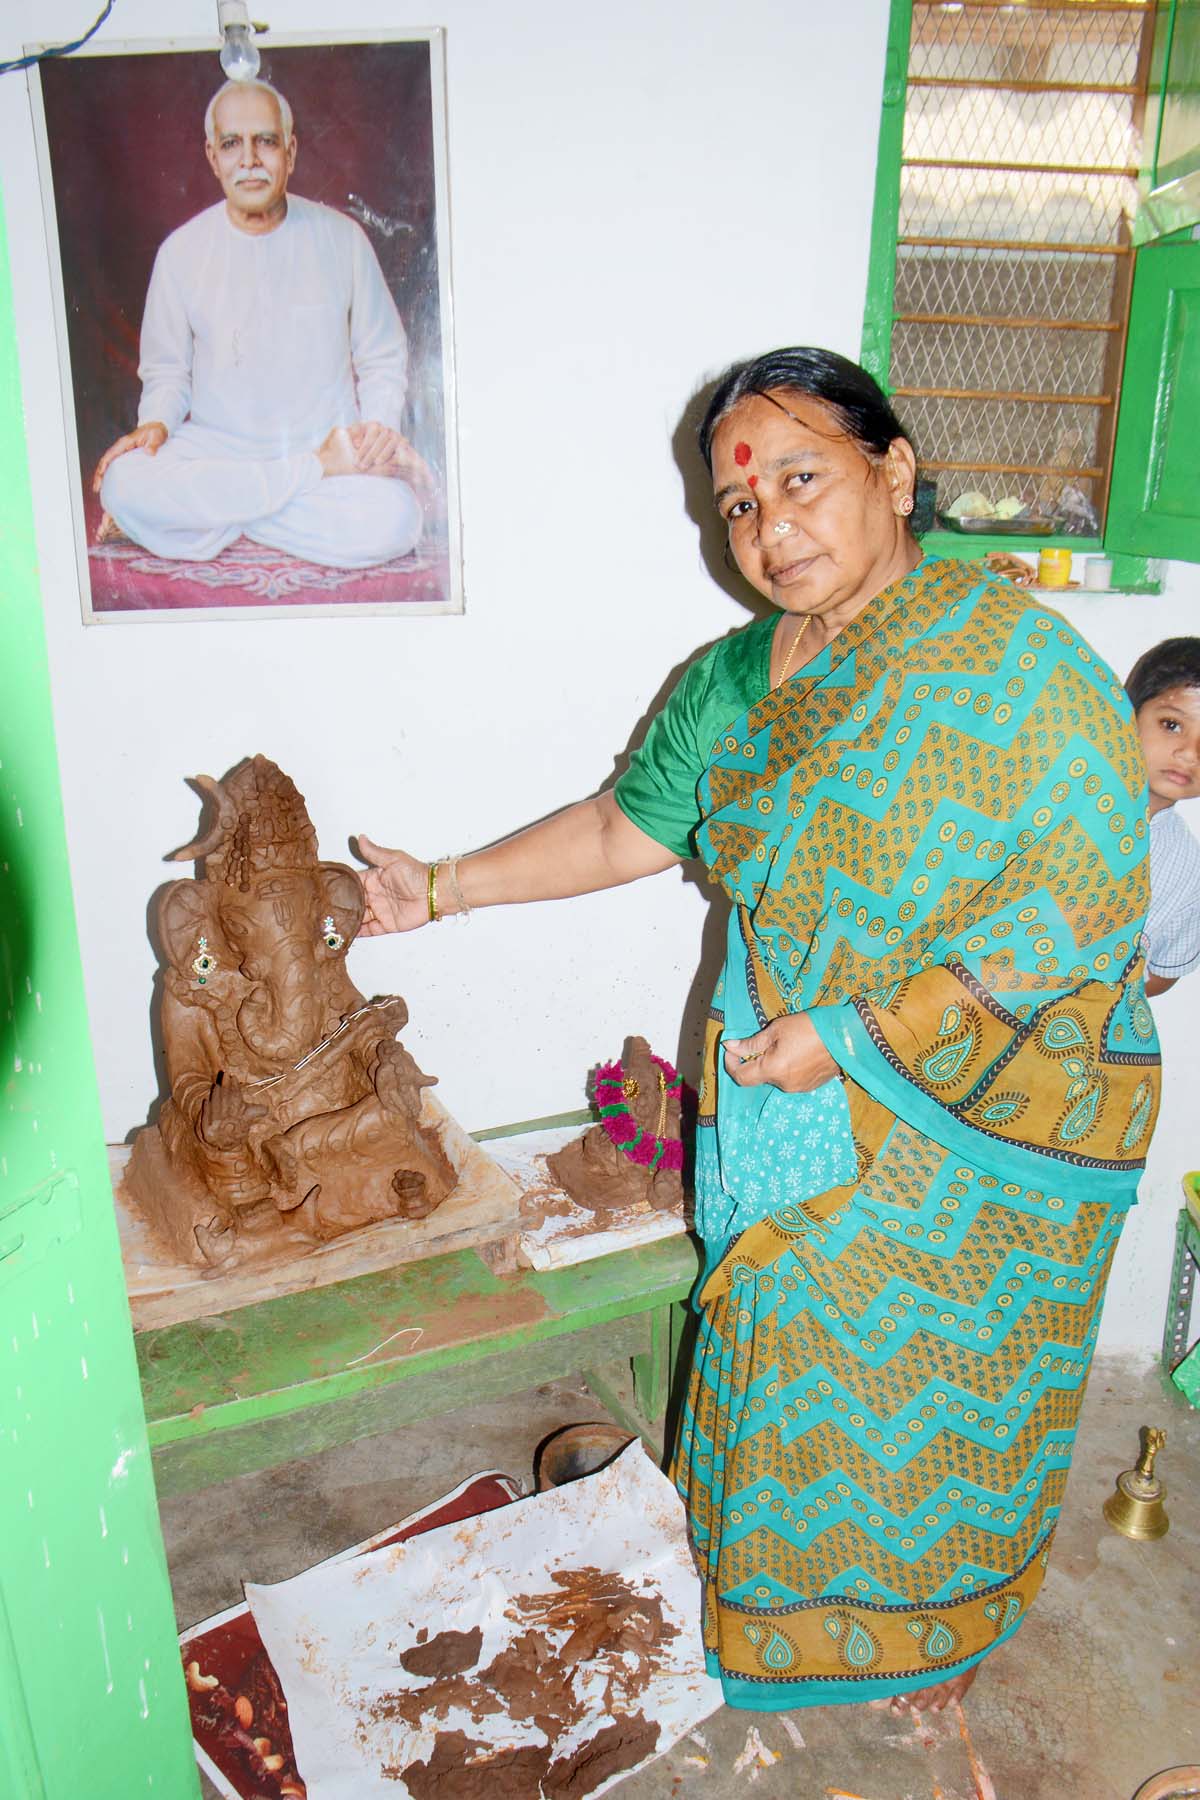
[(765, 1149)]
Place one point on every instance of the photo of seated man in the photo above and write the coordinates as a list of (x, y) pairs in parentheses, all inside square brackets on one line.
[(1164, 687), (254, 327), (273, 370)]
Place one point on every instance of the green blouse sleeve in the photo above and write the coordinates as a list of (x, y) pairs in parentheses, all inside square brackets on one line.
[(658, 790)]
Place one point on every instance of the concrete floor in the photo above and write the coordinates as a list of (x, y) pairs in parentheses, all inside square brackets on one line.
[(1099, 1690)]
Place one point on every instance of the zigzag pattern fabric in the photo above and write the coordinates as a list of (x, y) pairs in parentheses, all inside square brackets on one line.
[(936, 841)]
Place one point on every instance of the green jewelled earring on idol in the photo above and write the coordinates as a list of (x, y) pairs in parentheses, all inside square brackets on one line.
[(204, 963)]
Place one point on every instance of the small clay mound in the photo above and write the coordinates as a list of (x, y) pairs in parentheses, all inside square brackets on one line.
[(447, 1654), (618, 1746), (515, 1774)]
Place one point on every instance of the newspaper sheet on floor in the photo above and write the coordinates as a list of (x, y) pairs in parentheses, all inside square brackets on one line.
[(546, 1649)]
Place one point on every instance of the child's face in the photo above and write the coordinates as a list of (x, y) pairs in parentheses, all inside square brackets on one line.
[(1170, 731)]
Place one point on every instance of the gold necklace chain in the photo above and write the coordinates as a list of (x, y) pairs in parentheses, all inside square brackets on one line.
[(792, 649)]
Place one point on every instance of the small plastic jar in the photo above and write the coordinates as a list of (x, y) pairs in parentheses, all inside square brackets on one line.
[(1054, 568)]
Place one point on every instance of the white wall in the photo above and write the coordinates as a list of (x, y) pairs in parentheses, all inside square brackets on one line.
[(637, 199)]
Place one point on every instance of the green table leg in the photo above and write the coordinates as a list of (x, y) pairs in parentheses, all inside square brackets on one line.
[(651, 1369), (1179, 1300), (1182, 1362), (655, 1373), (682, 1317)]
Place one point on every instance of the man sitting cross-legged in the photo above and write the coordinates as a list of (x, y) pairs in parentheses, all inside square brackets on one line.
[(273, 370)]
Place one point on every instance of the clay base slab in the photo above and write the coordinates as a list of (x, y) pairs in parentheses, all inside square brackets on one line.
[(484, 1207), (569, 1233)]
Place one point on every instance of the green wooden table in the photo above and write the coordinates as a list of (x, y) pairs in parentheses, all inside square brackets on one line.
[(248, 1389)]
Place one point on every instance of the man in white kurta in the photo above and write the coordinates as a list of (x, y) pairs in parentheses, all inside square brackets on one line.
[(273, 369)]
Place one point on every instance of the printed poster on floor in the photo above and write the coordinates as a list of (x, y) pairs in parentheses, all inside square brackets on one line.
[(251, 285)]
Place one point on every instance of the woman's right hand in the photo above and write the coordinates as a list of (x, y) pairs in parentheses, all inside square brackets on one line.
[(396, 889)]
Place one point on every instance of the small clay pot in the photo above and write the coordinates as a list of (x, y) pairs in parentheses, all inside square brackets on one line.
[(577, 1450), (1172, 1784)]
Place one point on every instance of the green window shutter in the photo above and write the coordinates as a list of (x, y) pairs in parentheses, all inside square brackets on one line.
[(1154, 506), (1170, 199), (881, 273)]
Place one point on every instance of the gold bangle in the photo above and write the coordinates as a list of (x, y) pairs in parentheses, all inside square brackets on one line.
[(434, 914)]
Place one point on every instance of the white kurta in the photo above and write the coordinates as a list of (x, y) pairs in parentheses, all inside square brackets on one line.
[(252, 350)]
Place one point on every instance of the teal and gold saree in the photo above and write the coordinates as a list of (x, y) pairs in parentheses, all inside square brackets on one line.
[(935, 840)]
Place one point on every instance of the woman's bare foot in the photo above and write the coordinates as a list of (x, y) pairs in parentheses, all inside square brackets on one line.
[(938, 1697)]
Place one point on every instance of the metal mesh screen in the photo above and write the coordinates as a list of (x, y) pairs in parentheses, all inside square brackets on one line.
[(1021, 151)]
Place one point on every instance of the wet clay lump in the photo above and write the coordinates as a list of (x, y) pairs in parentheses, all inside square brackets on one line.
[(449, 1653)]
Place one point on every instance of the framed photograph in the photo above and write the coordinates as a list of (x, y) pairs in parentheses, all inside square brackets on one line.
[(253, 309)]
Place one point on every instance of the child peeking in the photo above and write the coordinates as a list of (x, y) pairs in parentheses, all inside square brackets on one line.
[(1164, 686)]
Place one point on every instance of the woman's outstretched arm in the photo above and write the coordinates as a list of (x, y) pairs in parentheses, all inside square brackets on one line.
[(588, 846)]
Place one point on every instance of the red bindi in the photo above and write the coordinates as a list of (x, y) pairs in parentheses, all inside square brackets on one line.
[(752, 481), (742, 454)]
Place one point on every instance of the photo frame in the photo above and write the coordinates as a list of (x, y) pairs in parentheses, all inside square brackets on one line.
[(257, 342)]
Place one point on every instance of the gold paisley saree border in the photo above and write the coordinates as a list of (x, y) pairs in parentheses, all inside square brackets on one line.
[(840, 1640)]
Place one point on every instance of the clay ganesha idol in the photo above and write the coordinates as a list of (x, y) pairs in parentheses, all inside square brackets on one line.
[(294, 1114), (635, 1155)]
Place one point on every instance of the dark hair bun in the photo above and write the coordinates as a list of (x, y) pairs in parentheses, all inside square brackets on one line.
[(853, 396)]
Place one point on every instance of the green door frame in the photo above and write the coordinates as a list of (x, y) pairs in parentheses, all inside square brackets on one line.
[(91, 1691)]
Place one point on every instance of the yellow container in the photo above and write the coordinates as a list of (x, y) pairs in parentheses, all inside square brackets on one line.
[(1054, 568)]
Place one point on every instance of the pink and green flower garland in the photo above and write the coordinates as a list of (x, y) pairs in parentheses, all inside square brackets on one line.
[(641, 1147)]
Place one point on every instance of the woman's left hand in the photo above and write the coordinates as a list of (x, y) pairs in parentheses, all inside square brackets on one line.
[(788, 1055)]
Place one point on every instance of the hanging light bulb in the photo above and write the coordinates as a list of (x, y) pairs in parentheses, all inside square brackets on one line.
[(239, 52)]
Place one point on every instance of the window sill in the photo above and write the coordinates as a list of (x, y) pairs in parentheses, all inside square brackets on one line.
[(1131, 574)]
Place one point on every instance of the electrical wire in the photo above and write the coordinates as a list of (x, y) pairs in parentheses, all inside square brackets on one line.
[(37, 56)]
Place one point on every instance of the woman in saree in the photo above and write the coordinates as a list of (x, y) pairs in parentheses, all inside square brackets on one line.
[(930, 1075)]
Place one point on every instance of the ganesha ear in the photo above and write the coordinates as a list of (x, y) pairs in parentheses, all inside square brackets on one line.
[(344, 902), (185, 915)]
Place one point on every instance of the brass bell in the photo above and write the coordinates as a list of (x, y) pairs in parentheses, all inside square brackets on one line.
[(1136, 1510)]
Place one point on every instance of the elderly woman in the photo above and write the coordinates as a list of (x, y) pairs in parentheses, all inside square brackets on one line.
[(931, 1072)]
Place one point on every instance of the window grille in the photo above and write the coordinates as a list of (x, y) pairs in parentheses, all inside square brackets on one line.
[(1021, 150)]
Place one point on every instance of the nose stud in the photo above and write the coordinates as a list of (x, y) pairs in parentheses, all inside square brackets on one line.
[(782, 528)]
